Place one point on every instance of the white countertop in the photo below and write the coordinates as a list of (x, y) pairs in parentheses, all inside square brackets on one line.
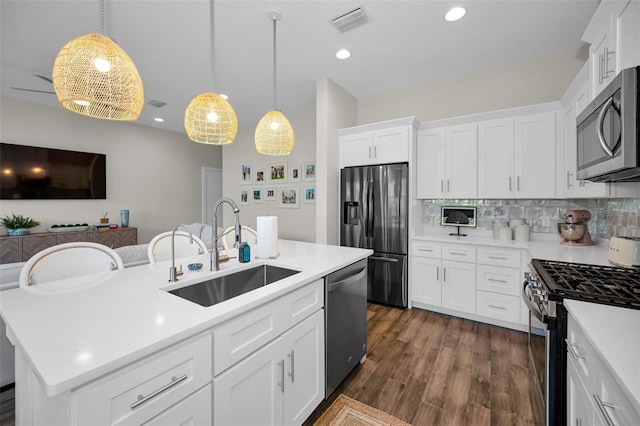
[(615, 335), (77, 330), (541, 246)]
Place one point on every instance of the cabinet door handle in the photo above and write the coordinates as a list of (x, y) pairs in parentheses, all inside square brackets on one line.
[(441, 185), (606, 62), (444, 274), (448, 186), (572, 348), (496, 281), (569, 179), (602, 406), (369, 152), (457, 253), (437, 273), (281, 382), (509, 183), (142, 399), (429, 250), (518, 183), (600, 66), (292, 356), (498, 258), (502, 308), (375, 151)]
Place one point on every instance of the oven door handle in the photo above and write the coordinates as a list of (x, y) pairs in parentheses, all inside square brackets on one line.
[(531, 306)]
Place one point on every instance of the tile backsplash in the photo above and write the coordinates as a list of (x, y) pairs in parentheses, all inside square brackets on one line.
[(609, 217)]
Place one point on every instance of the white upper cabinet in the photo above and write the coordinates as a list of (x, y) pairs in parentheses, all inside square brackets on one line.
[(447, 162), (510, 154), (614, 38), (377, 144)]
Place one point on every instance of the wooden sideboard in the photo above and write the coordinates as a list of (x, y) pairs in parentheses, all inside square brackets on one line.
[(21, 248)]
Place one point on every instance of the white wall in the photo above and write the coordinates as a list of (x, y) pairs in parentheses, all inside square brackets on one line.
[(543, 79), (293, 223), (335, 109), (153, 173)]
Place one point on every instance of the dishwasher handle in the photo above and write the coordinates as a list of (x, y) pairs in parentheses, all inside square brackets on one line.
[(353, 278)]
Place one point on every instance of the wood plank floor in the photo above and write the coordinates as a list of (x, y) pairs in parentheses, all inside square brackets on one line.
[(429, 369)]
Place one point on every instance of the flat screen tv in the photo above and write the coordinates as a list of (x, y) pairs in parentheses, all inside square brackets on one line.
[(458, 216), (34, 173)]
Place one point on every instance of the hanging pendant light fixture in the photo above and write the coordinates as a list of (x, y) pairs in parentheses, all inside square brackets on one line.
[(209, 118), (274, 134), (93, 76)]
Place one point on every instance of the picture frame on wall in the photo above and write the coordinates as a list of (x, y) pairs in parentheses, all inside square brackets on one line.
[(244, 197), (270, 194), (260, 175), (295, 173), (289, 197), (309, 194), (278, 172), (309, 171), (256, 195), (246, 170)]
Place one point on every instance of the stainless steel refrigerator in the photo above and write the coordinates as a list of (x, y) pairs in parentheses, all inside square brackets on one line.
[(374, 210)]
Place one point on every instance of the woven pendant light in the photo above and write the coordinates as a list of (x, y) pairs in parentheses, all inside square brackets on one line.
[(93, 76), (274, 134), (209, 118)]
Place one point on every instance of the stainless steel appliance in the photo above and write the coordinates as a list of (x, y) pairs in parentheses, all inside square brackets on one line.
[(345, 322), (608, 147), (545, 287), (374, 215)]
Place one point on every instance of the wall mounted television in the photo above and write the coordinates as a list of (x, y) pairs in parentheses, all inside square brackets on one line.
[(35, 173)]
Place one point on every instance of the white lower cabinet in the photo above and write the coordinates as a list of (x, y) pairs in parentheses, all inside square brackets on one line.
[(426, 280), (459, 286), (281, 383), (593, 395), (194, 410)]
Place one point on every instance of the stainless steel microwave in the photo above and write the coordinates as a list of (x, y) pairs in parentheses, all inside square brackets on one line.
[(608, 148)]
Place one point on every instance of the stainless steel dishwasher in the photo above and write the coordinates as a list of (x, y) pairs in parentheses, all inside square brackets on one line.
[(345, 322)]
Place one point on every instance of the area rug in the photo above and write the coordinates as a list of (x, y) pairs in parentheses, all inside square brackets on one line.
[(345, 411)]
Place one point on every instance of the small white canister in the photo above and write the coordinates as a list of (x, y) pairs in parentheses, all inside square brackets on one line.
[(496, 227), (505, 233), (523, 233)]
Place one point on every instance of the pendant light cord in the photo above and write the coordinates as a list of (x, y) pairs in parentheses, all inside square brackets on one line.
[(212, 81), (274, 63), (101, 16)]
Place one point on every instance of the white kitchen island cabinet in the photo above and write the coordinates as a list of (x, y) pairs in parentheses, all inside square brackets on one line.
[(378, 143), (117, 348), (282, 383)]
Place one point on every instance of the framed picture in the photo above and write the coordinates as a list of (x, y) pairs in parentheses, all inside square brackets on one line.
[(295, 173), (289, 197), (244, 197), (309, 193), (278, 172), (310, 171), (260, 177), (246, 176), (256, 195), (270, 194)]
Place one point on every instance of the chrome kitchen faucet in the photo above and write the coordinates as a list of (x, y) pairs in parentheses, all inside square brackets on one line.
[(173, 272), (215, 254)]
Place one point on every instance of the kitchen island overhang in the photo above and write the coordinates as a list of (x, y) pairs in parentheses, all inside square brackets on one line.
[(75, 331)]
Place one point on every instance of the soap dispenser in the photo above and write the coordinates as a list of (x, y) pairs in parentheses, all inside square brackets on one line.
[(244, 252)]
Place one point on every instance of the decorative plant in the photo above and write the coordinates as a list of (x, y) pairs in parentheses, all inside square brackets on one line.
[(16, 221)]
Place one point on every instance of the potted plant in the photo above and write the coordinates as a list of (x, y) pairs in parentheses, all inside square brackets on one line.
[(17, 224)]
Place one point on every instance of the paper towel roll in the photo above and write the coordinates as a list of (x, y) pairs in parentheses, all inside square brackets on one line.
[(267, 237)]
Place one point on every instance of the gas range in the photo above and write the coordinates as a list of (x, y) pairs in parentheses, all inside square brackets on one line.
[(608, 285)]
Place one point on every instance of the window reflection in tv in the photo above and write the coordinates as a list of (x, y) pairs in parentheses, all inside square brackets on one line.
[(34, 173)]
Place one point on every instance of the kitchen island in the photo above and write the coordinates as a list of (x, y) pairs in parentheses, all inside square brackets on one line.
[(91, 339)]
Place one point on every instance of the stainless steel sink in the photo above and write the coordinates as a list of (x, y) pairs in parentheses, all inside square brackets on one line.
[(216, 290)]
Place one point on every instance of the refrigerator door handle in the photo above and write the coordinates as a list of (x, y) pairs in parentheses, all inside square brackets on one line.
[(384, 259)]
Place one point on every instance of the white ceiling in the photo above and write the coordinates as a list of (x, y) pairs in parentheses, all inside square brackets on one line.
[(405, 44)]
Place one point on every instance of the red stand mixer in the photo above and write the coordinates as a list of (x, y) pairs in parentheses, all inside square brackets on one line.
[(575, 229)]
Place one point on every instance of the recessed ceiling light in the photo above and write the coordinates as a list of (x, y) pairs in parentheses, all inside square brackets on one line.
[(455, 14), (343, 54), (159, 120)]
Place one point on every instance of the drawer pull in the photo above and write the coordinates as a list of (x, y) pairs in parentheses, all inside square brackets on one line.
[(602, 406), (498, 258), (429, 250), (457, 253), (496, 281), (292, 356), (498, 307), (572, 348), (142, 399)]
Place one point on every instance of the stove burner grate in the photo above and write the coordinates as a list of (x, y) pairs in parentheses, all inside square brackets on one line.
[(592, 283)]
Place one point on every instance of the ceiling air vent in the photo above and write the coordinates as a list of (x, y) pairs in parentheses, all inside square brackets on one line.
[(156, 103), (350, 20)]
